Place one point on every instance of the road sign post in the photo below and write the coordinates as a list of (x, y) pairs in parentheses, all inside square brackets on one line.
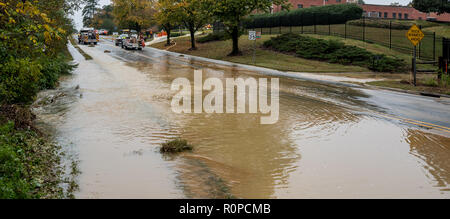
[(253, 35), (415, 35)]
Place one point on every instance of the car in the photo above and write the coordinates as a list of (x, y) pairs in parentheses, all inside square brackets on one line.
[(103, 32)]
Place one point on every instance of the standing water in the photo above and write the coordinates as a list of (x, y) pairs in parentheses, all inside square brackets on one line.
[(330, 141)]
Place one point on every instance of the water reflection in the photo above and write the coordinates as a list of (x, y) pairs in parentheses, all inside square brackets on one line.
[(433, 151)]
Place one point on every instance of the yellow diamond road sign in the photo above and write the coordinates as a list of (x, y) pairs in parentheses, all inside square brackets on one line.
[(415, 35)]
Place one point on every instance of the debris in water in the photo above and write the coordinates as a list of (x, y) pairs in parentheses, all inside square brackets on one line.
[(77, 87), (176, 146)]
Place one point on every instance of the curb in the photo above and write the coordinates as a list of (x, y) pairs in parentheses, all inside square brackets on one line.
[(426, 94), (286, 74)]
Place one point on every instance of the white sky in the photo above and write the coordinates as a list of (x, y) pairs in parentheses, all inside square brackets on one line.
[(79, 20)]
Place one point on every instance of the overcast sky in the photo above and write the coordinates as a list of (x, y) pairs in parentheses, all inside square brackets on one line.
[(79, 20)]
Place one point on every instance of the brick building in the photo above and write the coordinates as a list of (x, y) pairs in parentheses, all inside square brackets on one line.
[(375, 11)]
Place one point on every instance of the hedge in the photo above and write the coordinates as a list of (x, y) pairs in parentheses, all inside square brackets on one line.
[(334, 52), (215, 36), (329, 14)]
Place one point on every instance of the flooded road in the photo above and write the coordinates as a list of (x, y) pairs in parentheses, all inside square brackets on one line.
[(331, 141)]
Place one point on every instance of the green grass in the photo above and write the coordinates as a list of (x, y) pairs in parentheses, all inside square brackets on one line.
[(264, 58), (376, 35), (75, 44), (375, 48), (29, 165), (427, 84), (441, 31)]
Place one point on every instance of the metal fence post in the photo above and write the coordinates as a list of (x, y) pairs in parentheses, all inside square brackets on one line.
[(329, 25), (364, 29), (314, 23), (390, 34), (434, 45), (420, 43), (279, 25), (345, 30), (302, 23)]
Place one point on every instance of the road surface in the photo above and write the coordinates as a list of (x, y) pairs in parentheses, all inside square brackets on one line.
[(332, 140)]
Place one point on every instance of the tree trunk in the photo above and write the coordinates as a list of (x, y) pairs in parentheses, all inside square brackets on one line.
[(168, 36), (235, 38), (193, 47)]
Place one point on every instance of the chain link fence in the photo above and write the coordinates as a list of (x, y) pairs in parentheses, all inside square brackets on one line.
[(386, 32)]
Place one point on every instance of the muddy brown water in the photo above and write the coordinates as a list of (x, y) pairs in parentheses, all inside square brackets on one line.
[(326, 144)]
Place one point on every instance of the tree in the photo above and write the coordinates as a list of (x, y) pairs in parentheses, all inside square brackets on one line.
[(33, 35), (167, 15), (104, 19), (89, 11), (232, 12), (194, 16), (438, 6), (134, 14)]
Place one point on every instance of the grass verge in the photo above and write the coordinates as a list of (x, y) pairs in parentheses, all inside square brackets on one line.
[(30, 164), (426, 84), (264, 58), (74, 44)]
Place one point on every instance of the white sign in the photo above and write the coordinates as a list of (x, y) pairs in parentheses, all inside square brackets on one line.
[(251, 35)]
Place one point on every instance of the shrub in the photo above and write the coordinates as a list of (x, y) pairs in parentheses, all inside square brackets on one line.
[(176, 34), (175, 146), (334, 52), (29, 166), (333, 14), (19, 80), (52, 69), (215, 36)]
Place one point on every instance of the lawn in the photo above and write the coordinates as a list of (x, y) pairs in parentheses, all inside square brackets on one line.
[(383, 36), (442, 31), (264, 58), (403, 85)]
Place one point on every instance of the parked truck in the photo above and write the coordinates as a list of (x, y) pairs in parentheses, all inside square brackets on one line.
[(88, 36), (133, 40)]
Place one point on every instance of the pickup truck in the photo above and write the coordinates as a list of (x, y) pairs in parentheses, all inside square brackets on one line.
[(133, 42), (119, 40)]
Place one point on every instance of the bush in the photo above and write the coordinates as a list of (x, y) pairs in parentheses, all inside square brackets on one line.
[(29, 166), (215, 36), (334, 52), (177, 34), (52, 69), (19, 80), (175, 146), (333, 14), (22, 78)]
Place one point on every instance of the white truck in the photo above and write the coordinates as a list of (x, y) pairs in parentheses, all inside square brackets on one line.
[(133, 41)]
